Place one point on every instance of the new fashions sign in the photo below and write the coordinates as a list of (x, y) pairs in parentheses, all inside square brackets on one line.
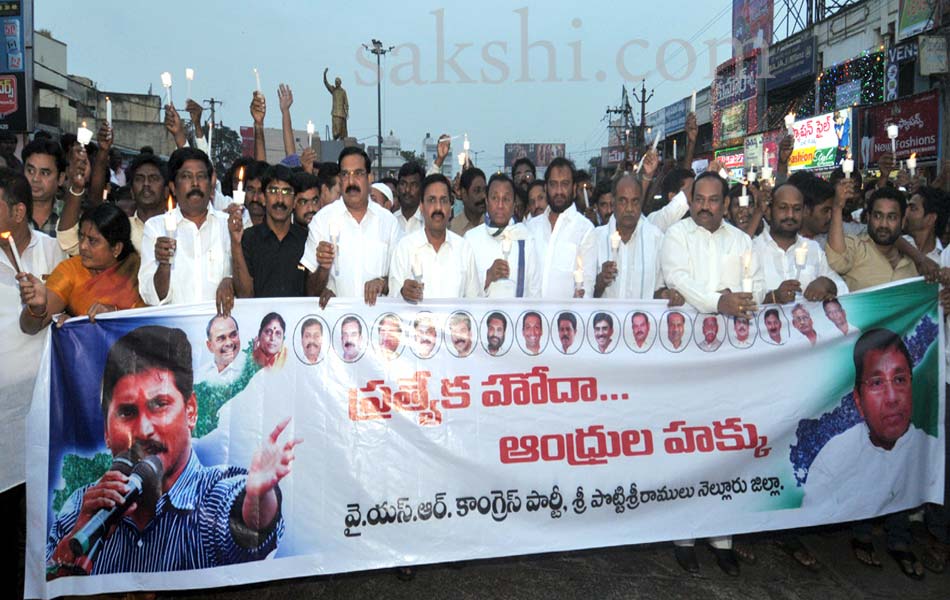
[(918, 127), (448, 431)]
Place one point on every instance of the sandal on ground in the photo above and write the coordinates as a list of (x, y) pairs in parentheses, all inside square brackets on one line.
[(745, 554), (934, 558), (802, 555), (727, 560), (864, 552), (908, 563)]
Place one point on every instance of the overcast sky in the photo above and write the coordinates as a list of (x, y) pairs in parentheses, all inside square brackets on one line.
[(485, 91)]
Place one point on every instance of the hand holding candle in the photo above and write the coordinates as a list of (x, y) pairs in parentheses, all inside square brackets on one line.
[(614, 245), (237, 195), (84, 134), (847, 167), (8, 236), (109, 111), (167, 84), (692, 102), (790, 123), (171, 224), (257, 80), (310, 130)]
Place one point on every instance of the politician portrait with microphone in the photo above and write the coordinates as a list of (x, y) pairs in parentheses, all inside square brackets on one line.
[(158, 508)]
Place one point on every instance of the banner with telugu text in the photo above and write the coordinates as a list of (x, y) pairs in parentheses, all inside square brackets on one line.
[(448, 431)]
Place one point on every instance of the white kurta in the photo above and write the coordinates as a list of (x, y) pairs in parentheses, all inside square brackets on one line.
[(638, 267), (488, 249), (448, 273), (413, 223), (559, 247), (779, 265)]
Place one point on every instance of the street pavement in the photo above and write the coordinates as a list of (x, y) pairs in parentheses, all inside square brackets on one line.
[(646, 571)]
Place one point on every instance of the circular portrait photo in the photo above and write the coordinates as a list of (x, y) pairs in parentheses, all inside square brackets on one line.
[(387, 336), (675, 330), (424, 334), (709, 331), (639, 331), (532, 333), (741, 332), (270, 352), (349, 338), (311, 338), (496, 333), (460, 334), (568, 326), (773, 326), (603, 333)]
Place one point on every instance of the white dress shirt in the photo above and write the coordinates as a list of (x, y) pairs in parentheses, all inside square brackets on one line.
[(638, 267), (365, 249), (228, 375), (488, 249), (673, 212), (448, 273), (934, 254), (202, 259), (20, 354), (559, 247), (412, 224), (779, 265), (698, 264)]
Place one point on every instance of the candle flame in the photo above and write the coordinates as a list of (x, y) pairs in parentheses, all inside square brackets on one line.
[(6, 235), (171, 203), (83, 123), (241, 174), (913, 155)]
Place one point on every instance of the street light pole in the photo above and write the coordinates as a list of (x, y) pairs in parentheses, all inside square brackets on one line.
[(379, 51)]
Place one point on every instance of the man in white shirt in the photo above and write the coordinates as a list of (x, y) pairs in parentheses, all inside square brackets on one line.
[(708, 261), (514, 273), (193, 262), (366, 235), (224, 344), (780, 249), (409, 192), (433, 262), (924, 220), (561, 233), (20, 354), (711, 340), (627, 247)]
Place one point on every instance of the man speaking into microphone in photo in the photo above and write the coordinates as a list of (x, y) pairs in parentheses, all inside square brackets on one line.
[(203, 516)]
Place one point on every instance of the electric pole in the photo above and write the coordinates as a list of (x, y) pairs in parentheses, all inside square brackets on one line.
[(211, 102), (379, 51), (624, 124), (643, 99)]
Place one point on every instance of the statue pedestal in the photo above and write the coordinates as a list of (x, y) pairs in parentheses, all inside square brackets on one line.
[(330, 149)]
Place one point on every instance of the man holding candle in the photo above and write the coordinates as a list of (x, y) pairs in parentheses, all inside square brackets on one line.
[(628, 248), (350, 243), (433, 262), (791, 263), (201, 244), (264, 258), (473, 192), (562, 236), (505, 252)]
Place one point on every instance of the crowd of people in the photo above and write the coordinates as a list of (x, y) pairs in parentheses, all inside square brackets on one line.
[(87, 237)]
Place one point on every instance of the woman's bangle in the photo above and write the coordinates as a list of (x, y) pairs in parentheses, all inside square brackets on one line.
[(29, 309), (75, 193)]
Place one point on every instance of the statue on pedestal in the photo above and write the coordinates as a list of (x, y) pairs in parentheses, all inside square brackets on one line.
[(340, 111)]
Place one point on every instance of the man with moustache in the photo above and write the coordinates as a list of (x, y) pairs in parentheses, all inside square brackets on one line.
[(675, 327), (741, 328), (307, 199), (801, 320), (460, 334), (836, 314), (200, 248), (409, 193), (224, 343), (523, 174), (264, 258), (474, 195), (44, 165), (497, 327), (925, 219), (425, 335), (537, 200), (433, 262), (709, 343), (518, 274), (603, 331), (357, 265), (311, 340), (561, 235), (640, 327), (773, 325), (778, 247), (566, 330), (532, 328), (390, 335), (351, 338), (871, 258)]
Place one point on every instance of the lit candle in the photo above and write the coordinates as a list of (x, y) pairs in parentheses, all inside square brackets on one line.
[(847, 167), (766, 173), (584, 190), (656, 140), (84, 135), (257, 80), (171, 223), (240, 186), (790, 123), (615, 245), (724, 173), (892, 133), (466, 145), (801, 255), (109, 111), (743, 200), (912, 164), (692, 102), (167, 84), (461, 160), (335, 226), (8, 236), (752, 175), (238, 194), (674, 149), (310, 131), (190, 76)]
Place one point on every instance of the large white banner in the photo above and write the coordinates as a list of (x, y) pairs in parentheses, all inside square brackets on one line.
[(457, 430)]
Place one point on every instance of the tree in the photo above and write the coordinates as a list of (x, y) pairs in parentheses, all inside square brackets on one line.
[(226, 148), (412, 156)]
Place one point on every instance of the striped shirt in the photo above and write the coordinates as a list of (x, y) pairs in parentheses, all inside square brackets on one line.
[(197, 524)]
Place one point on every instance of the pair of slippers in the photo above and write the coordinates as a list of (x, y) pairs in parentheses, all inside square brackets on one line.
[(906, 560)]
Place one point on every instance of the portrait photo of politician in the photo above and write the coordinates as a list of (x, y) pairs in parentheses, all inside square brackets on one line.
[(495, 336), (640, 332), (803, 323), (675, 330), (709, 332), (773, 326), (602, 334), (741, 332), (460, 338), (202, 516), (425, 335), (224, 344), (269, 350), (311, 339), (569, 327), (350, 343), (387, 336), (838, 317), (534, 337)]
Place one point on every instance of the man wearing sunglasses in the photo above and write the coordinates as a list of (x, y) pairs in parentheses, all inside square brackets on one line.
[(265, 257)]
